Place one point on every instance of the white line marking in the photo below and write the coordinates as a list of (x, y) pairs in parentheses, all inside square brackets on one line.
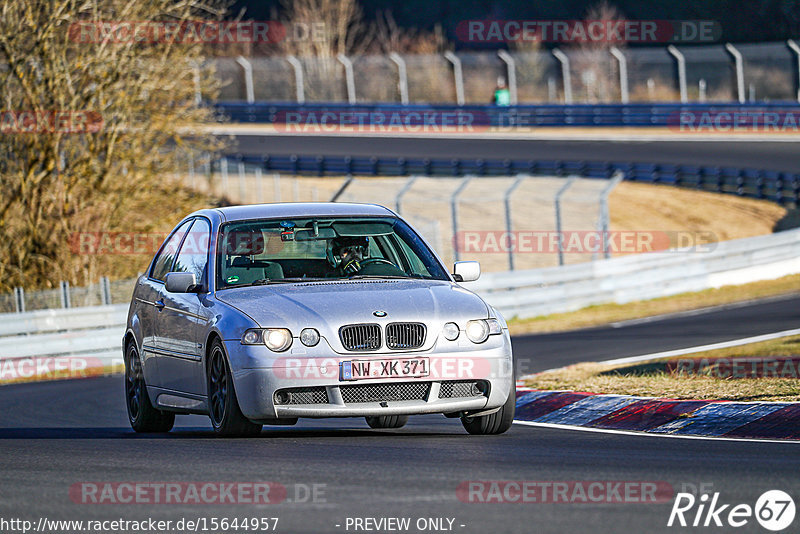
[(651, 434), (704, 310), (681, 352), (703, 348)]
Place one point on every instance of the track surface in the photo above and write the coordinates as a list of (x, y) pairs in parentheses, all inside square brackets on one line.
[(56, 434), (780, 156)]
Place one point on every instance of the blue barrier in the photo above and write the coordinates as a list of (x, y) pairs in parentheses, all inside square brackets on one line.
[(522, 116), (780, 187)]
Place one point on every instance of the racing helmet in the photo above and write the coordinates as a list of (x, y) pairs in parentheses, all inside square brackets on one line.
[(337, 244)]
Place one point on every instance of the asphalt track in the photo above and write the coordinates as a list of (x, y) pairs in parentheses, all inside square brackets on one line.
[(770, 155), (56, 434)]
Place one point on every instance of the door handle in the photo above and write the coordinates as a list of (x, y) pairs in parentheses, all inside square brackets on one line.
[(159, 304)]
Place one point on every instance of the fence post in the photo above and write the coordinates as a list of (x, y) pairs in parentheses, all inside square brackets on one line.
[(259, 186), (298, 78), (342, 189), (403, 190), (105, 290), (276, 187), (223, 169), (557, 205), (402, 75), (454, 211), (457, 76), (565, 74), (65, 303), (623, 74), (19, 299), (794, 47), (198, 95), (604, 215), (509, 223), (737, 61), (247, 68), (350, 79), (242, 187), (511, 70), (681, 64)]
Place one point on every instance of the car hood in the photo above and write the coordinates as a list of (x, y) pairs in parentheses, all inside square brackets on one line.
[(327, 306)]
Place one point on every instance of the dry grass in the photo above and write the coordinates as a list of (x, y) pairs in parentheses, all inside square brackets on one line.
[(636, 206), (651, 379), (610, 313)]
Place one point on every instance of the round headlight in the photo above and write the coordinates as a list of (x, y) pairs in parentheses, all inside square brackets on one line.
[(477, 331), (450, 331), (251, 337), (309, 337), (278, 339)]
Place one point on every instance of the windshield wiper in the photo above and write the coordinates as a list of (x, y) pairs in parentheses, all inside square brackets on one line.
[(377, 276), (267, 281)]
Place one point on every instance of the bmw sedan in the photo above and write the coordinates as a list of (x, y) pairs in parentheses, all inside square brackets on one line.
[(263, 314)]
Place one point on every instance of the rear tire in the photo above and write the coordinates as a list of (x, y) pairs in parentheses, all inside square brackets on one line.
[(494, 423), (141, 413), (387, 421), (223, 408)]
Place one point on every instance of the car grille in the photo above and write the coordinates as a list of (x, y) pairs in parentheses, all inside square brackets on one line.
[(385, 392), (360, 337), (454, 389), (405, 335), (313, 395)]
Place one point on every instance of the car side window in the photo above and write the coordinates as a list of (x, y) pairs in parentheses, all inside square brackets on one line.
[(166, 255), (193, 256)]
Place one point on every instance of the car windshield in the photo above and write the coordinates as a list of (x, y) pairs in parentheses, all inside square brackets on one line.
[(275, 251)]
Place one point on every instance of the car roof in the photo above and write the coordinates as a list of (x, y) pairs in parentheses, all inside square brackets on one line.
[(296, 209)]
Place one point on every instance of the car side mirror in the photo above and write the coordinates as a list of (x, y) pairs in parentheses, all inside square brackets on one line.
[(180, 282), (466, 271)]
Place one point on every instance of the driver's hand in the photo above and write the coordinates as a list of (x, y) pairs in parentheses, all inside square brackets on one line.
[(352, 266)]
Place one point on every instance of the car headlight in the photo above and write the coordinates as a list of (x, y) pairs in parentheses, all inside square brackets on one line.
[(479, 330), (450, 331), (309, 337), (253, 337), (276, 339)]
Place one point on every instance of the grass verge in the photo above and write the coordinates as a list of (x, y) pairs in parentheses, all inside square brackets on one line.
[(610, 313), (691, 376)]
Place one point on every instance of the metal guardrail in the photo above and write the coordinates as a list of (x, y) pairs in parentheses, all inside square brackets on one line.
[(641, 276), (777, 186), (96, 332), (519, 116), (61, 342)]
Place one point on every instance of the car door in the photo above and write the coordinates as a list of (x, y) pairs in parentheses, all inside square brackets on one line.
[(182, 320), (148, 299)]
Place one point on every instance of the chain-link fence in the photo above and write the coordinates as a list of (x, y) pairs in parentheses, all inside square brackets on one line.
[(103, 292), (769, 72)]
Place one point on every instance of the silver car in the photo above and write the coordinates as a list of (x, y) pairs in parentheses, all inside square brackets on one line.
[(263, 314)]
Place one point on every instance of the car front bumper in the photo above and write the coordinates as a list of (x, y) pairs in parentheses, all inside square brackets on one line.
[(491, 366)]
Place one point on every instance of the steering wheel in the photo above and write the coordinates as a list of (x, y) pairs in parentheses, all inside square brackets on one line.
[(371, 261)]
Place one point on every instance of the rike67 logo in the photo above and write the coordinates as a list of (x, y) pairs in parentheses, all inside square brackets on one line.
[(774, 510)]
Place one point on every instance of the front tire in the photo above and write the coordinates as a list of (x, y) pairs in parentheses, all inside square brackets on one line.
[(141, 414), (223, 408), (494, 423), (387, 421)]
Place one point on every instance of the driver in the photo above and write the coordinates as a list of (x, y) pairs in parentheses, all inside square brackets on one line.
[(346, 253)]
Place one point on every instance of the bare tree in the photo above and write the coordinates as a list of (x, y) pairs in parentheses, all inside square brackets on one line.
[(592, 63), (109, 114)]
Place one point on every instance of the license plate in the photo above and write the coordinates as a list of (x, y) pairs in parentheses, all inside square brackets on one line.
[(390, 368)]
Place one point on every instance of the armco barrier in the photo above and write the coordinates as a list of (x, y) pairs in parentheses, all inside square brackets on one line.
[(96, 332), (520, 116), (81, 339), (777, 186), (641, 276)]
